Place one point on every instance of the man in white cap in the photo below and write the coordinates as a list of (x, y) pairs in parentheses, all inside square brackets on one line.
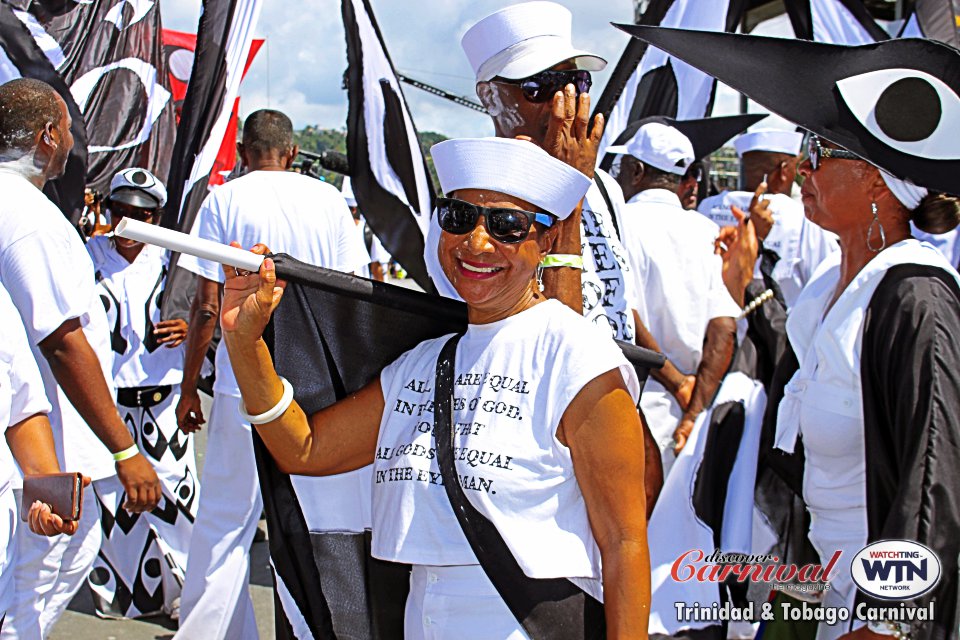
[(683, 301), (309, 220), (793, 246), (523, 57)]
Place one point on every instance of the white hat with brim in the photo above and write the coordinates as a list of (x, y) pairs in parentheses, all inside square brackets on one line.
[(514, 167), (771, 141), (523, 39), (660, 146)]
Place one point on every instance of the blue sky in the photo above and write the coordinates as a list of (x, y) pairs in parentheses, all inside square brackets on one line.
[(300, 68)]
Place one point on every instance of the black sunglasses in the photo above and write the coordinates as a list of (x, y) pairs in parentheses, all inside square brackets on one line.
[(541, 87), (508, 226), (121, 210), (817, 152)]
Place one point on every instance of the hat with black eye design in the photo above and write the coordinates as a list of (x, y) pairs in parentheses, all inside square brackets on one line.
[(896, 103)]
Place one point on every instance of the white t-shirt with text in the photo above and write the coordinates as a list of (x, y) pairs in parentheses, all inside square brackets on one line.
[(513, 381)]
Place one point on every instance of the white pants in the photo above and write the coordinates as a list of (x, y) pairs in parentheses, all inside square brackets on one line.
[(8, 528), (456, 602), (215, 603), (49, 571)]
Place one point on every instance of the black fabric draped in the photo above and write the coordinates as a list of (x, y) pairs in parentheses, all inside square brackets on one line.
[(910, 374), (910, 368)]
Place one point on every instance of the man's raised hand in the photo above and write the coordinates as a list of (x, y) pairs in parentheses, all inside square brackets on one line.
[(569, 137)]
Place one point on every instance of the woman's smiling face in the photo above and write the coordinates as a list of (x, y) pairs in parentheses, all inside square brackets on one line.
[(486, 273)]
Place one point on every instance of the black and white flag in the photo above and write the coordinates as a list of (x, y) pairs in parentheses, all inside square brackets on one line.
[(834, 21), (934, 19), (659, 84), (388, 171), (223, 43), (109, 53)]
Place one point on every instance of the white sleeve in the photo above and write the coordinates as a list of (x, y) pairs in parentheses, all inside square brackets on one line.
[(27, 397), (379, 253), (39, 274), (208, 226)]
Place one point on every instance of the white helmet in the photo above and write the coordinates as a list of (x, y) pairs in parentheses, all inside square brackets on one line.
[(139, 188)]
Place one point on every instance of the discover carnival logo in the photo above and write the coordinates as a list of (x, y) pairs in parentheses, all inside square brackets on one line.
[(895, 570)]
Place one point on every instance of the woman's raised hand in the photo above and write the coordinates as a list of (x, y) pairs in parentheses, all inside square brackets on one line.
[(249, 299)]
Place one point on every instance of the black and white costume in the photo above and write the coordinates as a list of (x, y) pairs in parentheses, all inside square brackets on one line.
[(143, 557)]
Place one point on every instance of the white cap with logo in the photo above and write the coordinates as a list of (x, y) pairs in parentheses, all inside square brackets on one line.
[(660, 146), (523, 39), (770, 140)]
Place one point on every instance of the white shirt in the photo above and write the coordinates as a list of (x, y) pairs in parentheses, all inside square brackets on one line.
[(376, 250), (21, 387), (824, 401), (513, 381), (801, 244), (290, 213), (946, 243), (131, 293), (678, 276), (49, 275), (607, 282)]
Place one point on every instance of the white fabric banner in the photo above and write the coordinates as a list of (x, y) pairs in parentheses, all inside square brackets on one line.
[(833, 23)]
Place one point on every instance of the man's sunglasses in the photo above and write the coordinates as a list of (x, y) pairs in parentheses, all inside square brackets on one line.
[(508, 226), (541, 87), (119, 210), (818, 152)]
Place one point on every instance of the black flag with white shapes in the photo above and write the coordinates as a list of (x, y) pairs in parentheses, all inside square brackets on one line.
[(109, 53), (387, 167), (834, 21), (894, 103), (661, 85), (22, 57)]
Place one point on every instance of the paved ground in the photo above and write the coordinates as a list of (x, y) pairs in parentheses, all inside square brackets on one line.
[(80, 622)]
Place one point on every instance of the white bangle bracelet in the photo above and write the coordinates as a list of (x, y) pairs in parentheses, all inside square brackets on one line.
[(127, 453), (278, 409)]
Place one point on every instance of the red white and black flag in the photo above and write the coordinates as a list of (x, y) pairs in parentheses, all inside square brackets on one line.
[(648, 82), (109, 53), (223, 44), (387, 168)]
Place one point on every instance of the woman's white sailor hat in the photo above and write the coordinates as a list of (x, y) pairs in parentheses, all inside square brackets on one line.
[(514, 167), (138, 188)]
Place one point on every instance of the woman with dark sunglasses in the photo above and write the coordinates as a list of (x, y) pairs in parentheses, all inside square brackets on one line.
[(865, 426), (538, 393)]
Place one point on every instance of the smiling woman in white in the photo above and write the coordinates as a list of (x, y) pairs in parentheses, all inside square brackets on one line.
[(537, 393)]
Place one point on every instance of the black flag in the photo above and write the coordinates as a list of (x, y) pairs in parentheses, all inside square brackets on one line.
[(834, 21), (388, 171), (22, 57), (109, 53)]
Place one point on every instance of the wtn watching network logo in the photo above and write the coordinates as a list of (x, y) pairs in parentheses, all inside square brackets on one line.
[(896, 569)]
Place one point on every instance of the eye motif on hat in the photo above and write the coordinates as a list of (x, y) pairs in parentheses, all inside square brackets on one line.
[(906, 109)]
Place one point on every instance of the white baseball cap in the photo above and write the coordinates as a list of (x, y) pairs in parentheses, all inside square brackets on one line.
[(771, 140), (514, 167), (138, 188), (346, 189), (660, 146), (523, 39)]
